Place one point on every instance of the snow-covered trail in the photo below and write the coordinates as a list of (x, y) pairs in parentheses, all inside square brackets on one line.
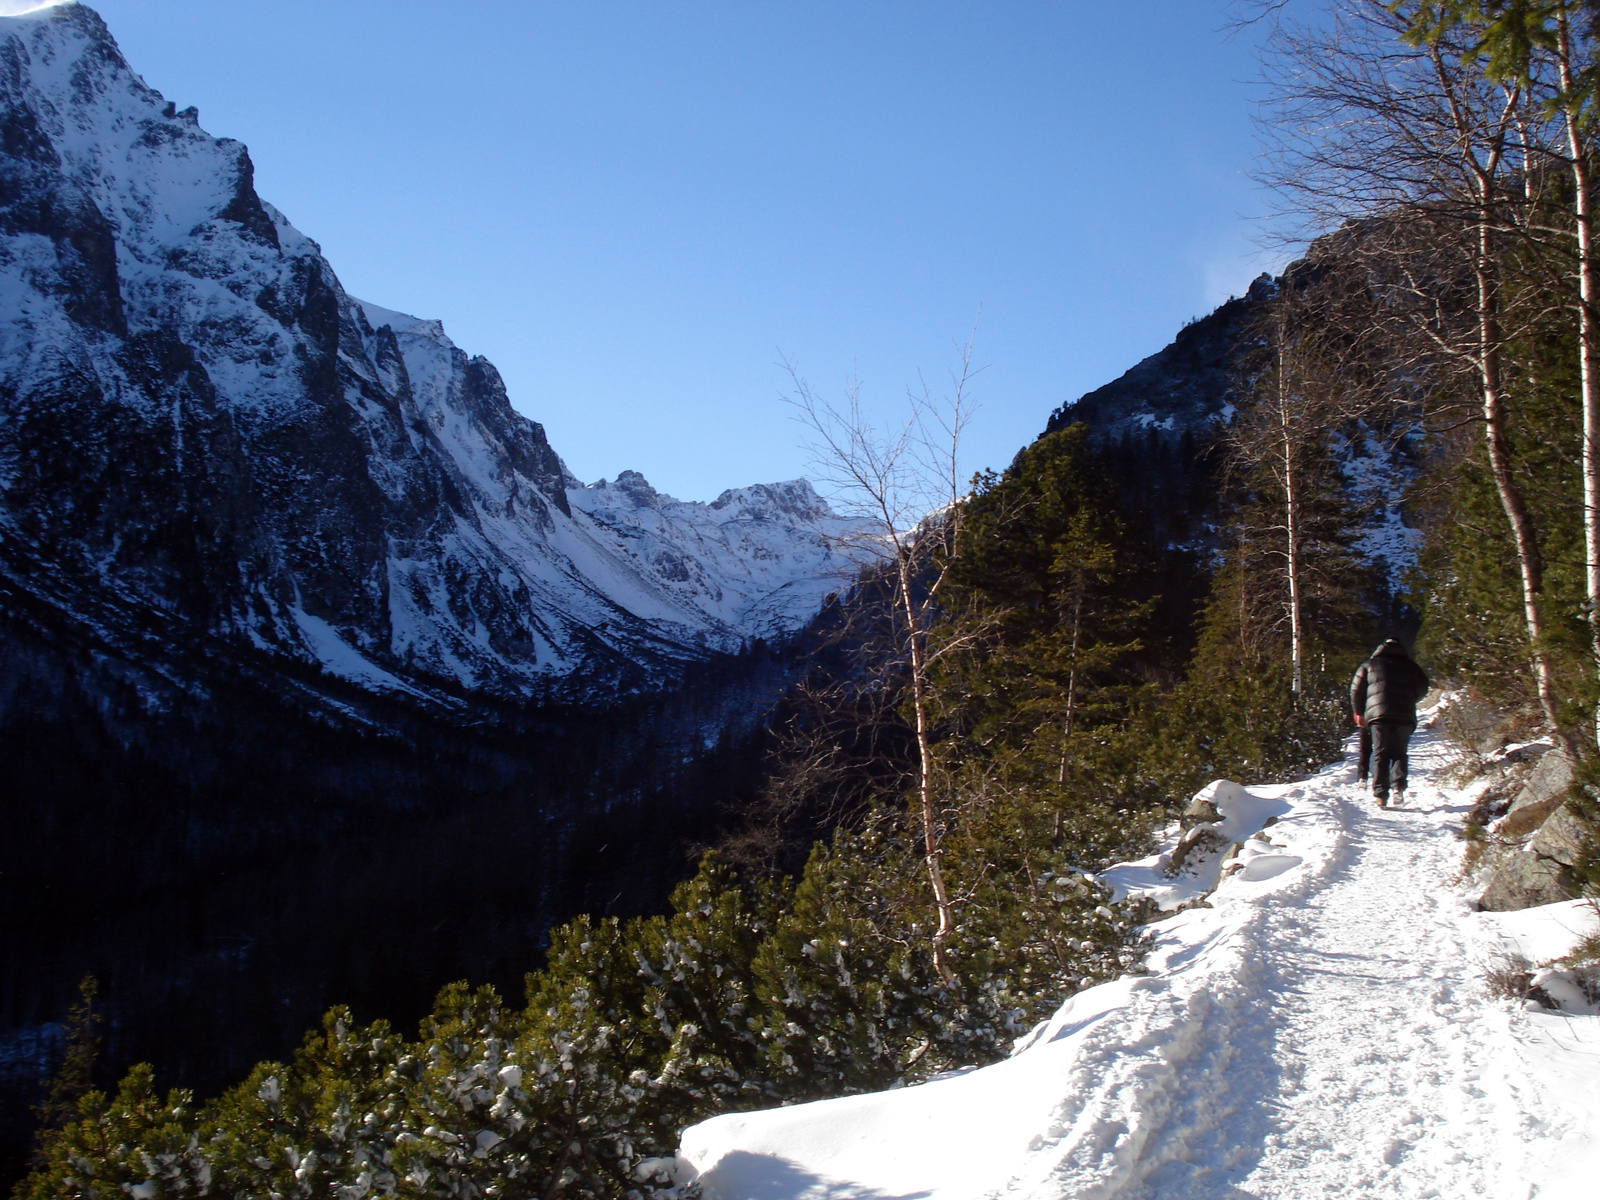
[(1387, 1056), (1322, 1030)]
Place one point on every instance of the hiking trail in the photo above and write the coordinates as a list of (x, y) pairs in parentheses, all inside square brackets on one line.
[(1322, 1029)]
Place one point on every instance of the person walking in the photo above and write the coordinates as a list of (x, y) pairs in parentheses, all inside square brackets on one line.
[(1383, 699)]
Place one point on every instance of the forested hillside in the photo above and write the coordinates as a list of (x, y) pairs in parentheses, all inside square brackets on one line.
[(1083, 673)]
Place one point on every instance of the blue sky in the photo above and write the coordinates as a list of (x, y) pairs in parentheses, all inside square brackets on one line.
[(633, 209)]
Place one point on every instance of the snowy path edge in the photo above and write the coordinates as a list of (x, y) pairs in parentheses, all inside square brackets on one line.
[(1171, 1069)]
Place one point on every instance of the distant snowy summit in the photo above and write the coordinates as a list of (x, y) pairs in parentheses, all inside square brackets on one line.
[(204, 440)]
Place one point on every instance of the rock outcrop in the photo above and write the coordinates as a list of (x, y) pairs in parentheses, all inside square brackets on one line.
[(1537, 841), (1526, 879), (1541, 795)]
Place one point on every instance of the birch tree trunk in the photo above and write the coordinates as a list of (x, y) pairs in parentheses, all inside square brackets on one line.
[(904, 488), (1530, 563), (1291, 524), (1072, 688), (928, 811), (1588, 334)]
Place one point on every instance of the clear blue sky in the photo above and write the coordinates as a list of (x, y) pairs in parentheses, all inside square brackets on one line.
[(633, 208)]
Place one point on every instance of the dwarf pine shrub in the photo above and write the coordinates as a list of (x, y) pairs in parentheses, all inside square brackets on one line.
[(747, 995)]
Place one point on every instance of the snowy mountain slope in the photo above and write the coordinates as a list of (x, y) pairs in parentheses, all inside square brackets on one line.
[(1377, 475), (1321, 1029), (1163, 417), (200, 430)]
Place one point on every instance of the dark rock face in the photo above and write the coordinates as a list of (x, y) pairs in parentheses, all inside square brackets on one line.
[(1543, 793), (1540, 872), (1183, 390), (1526, 879), (1156, 427)]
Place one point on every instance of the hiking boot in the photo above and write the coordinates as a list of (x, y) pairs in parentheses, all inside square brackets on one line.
[(1382, 798)]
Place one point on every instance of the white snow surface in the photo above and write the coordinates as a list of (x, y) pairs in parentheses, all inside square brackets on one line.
[(1244, 813), (1322, 1029), (1378, 475)]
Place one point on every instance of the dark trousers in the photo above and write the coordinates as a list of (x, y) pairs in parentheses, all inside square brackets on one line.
[(1389, 741), (1363, 751)]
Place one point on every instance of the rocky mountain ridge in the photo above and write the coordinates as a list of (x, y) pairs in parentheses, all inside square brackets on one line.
[(1162, 424), (203, 430), (1184, 389)]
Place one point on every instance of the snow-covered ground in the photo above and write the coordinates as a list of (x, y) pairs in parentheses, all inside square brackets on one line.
[(1323, 1029)]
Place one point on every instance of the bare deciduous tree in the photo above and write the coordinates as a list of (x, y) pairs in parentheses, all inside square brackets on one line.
[(902, 488), (1549, 49), (1298, 401)]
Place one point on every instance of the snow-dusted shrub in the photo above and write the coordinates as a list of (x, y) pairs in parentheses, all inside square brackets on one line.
[(1584, 802), (748, 994), (324, 1122), (136, 1144)]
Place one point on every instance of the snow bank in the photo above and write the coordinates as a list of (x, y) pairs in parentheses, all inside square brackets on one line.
[(1319, 1027), (1244, 814), (1544, 933)]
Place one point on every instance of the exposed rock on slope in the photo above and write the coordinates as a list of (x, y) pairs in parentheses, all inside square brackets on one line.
[(1159, 426), (1185, 389), (205, 437), (1537, 842)]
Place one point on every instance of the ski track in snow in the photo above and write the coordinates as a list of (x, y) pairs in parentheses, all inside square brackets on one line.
[(1323, 1030)]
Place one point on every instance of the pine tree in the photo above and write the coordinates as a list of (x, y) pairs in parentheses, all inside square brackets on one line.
[(328, 1120), (137, 1144), (81, 1036), (846, 969), (698, 966)]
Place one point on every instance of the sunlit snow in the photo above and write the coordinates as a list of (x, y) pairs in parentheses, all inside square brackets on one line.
[(1321, 1028)]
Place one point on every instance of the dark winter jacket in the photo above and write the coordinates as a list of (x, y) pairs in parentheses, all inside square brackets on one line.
[(1388, 685)]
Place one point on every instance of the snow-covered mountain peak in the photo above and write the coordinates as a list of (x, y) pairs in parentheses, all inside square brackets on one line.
[(199, 426), (795, 499), (19, 8), (377, 317), (634, 488)]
